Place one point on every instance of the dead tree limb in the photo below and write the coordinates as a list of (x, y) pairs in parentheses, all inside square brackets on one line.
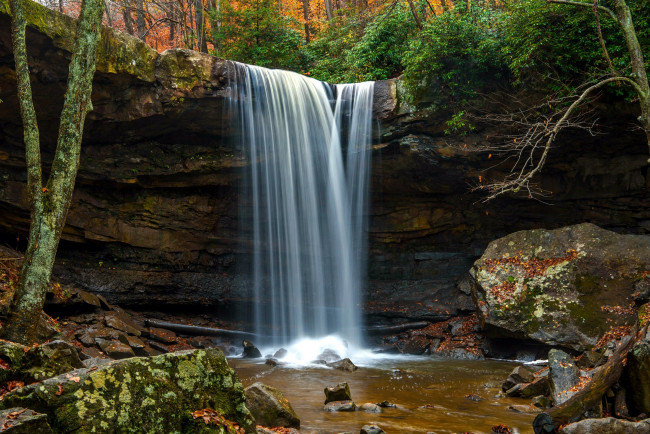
[(572, 409)]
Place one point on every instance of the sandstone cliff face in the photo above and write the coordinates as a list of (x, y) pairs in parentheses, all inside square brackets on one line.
[(155, 218)]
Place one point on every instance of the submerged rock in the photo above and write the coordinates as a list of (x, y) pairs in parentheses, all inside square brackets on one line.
[(154, 394), (343, 365), (371, 429), (564, 287), (369, 407), (608, 425), (19, 420), (340, 392), (269, 407), (328, 355), (335, 406)]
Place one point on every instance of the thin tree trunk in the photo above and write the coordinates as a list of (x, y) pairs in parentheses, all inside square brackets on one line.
[(139, 18), (128, 21), (200, 28), (107, 9), (639, 73), (305, 14), (415, 14), (328, 9), (50, 204)]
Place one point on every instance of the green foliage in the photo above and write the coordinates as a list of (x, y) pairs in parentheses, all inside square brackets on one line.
[(459, 124), (257, 33), (359, 48), (329, 50), (553, 46), (456, 54)]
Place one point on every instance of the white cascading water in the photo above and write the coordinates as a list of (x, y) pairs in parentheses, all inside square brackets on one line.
[(307, 187)]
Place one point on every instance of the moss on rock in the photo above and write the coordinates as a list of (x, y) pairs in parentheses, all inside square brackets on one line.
[(141, 394), (563, 287)]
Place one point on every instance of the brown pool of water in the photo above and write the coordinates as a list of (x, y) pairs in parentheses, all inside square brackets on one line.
[(413, 384)]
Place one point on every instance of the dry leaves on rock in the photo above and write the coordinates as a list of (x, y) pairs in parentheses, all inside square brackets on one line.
[(212, 417), (10, 387)]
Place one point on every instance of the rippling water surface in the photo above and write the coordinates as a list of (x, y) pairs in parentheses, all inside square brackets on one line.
[(411, 383)]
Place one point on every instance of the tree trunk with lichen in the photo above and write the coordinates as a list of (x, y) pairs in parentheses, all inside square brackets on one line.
[(50, 203), (639, 73)]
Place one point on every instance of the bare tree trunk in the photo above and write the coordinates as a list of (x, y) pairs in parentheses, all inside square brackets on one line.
[(200, 28), (328, 9), (639, 73), (415, 14), (139, 18), (305, 14), (128, 21), (50, 204), (107, 8)]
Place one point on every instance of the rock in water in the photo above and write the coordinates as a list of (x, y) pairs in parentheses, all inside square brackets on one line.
[(371, 429), (281, 353), (335, 406), (153, 394), (19, 420), (518, 375), (564, 287), (343, 365), (608, 425), (369, 407), (563, 375), (340, 392), (250, 350), (269, 407), (328, 355)]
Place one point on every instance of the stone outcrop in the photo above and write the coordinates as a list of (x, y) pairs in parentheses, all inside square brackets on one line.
[(563, 287), (153, 394), (154, 220), (607, 425)]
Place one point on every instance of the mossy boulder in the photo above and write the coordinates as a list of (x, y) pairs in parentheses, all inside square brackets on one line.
[(140, 394), (565, 287)]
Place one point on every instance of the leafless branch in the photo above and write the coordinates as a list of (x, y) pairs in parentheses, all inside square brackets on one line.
[(533, 132)]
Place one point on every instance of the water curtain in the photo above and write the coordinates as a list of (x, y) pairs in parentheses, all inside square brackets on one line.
[(307, 191)]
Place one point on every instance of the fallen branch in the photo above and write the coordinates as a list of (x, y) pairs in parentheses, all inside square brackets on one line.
[(396, 328), (572, 409), (197, 330)]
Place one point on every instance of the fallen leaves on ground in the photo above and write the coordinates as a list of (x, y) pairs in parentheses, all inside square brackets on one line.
[(614, 334), (212, 417)]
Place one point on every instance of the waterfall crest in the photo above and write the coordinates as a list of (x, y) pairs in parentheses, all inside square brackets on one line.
[(306, 194)]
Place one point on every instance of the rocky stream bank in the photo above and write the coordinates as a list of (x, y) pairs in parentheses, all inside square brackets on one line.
[(155, 235)]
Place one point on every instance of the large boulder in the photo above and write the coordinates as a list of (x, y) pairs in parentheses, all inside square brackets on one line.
[(152, 394), (269, 407), (564, 287)]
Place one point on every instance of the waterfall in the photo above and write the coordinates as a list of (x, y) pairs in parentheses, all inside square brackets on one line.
[(306, 196)]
